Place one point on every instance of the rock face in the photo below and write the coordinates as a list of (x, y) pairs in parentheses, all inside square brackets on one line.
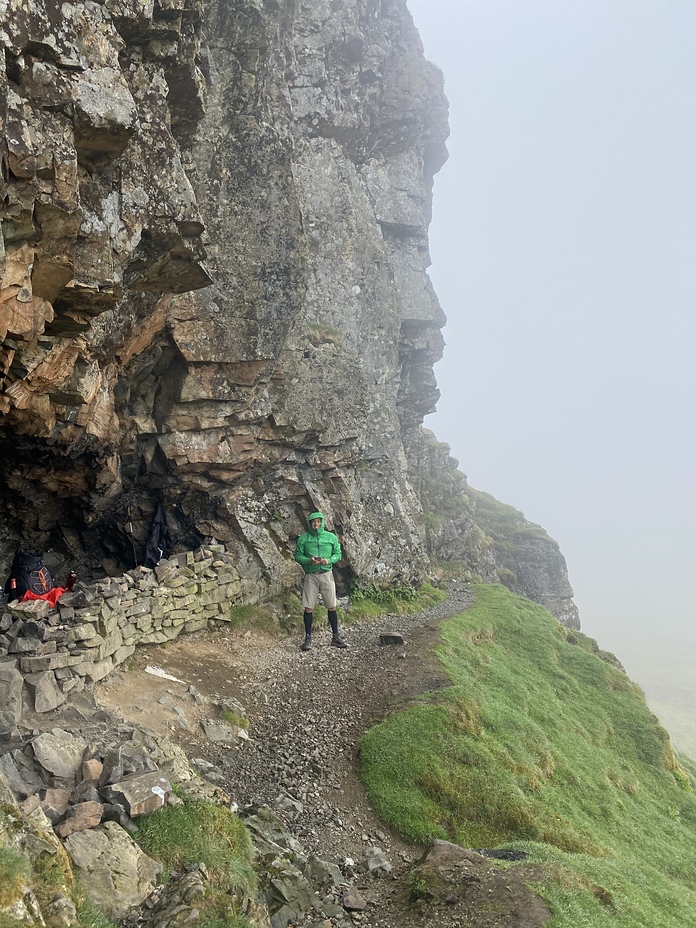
[(213, 287), (485, 538), (212, 278)]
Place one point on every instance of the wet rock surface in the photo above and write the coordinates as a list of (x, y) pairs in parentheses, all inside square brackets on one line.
[(214, 295)]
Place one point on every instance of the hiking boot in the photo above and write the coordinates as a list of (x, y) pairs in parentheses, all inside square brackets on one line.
[(338, 642), (306, 644)]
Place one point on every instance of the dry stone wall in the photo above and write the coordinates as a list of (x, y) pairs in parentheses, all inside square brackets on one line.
[(94, 630)]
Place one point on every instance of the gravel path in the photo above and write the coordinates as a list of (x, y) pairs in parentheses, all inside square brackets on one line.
[(307, 712)]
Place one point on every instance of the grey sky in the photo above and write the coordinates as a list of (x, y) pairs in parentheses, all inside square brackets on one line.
[(563, 244)]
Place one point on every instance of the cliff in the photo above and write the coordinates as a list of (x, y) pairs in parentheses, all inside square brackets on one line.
[(214, 290), (473, 534)]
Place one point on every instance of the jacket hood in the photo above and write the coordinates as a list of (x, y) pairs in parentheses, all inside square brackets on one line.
[(316, 515)]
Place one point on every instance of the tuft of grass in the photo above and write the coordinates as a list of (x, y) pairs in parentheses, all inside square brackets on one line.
[(323, 335), (258, 616), (541, 743), (201, 831), (292, 612), (371, 602), (88, 915), (53, 874), (9, 921), (422, 884), (234, 718)]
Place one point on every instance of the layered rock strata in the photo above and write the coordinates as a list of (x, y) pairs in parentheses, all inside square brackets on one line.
[(213, 288), (213, 274)]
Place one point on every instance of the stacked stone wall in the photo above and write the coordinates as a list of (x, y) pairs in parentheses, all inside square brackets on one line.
[(96, 628)]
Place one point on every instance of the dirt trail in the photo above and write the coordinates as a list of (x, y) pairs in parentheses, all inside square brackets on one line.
[(306, 713)]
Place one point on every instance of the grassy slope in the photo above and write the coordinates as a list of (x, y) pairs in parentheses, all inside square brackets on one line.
[(540, 744)]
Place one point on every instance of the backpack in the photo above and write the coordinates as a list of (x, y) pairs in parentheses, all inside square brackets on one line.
[(30, 574)]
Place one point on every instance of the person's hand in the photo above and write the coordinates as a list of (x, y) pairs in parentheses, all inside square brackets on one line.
[(323, 560)]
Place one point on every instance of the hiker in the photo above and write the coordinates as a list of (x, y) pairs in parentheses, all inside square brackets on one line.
[(316, 552)]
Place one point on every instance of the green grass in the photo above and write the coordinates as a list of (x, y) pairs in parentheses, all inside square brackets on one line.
[(201, 831), (234, 718), (88, 915), (48, 874), (371, 602), (15, 875), (506, 525), (258, 616), (542, 744)]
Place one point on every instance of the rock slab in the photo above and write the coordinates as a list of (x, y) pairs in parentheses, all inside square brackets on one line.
[(114, 873)]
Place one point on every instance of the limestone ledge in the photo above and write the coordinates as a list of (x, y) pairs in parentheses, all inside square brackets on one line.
[(95, 629)]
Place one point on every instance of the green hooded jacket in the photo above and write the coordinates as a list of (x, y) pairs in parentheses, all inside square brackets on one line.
[(319, 543)]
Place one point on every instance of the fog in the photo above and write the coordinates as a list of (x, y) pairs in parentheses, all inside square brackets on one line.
[(563, 243)]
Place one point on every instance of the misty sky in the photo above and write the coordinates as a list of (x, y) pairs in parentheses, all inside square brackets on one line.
[(563, 245)]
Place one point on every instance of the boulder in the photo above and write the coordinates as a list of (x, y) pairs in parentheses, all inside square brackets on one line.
[(55, 804), (60, 912), (288, 806), (322, 874), (32, 610), (376, 862), (220, 731), (139, 794), (288, 896), (446, 854), (92, 769), (47, 694), (86, 791), (114, 873), (122, 761), (115, 812), (21, 777), (80, 817), (60, 753), (391, 638), (353, 900)]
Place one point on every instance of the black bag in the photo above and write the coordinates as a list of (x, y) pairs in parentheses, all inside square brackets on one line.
[(30, 574), (159, 540)]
